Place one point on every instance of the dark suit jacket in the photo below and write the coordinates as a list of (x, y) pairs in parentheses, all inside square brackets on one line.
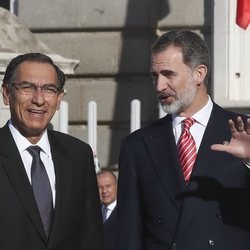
[(77, 223), (110, 231), (156, 211)]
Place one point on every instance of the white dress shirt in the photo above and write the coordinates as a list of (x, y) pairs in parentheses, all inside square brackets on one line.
[(22, 145), (110, 208), (198, 128)]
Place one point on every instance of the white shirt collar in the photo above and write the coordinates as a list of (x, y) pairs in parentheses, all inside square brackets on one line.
[(22, 142), (112, 205), (201, 117)]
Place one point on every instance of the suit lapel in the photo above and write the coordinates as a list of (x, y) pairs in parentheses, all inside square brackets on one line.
[(63, 182), (205, 166), (111, 218), (163, 152), (12, 163)]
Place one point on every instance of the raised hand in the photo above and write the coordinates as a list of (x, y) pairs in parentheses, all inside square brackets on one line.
[(239, 144)]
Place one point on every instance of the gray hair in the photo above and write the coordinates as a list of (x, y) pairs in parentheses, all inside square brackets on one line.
[(194, 49)]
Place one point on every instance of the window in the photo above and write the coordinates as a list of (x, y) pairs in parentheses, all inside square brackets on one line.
[(5, 4), (231, 53), (11, 5)]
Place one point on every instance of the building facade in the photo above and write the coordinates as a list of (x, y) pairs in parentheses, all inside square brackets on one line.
[(112, 40)]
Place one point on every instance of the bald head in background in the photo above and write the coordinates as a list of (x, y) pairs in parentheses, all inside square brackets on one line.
[(107, 184)]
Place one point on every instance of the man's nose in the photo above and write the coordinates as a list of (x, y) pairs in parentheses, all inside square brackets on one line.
[(38, 96), (161, 83)]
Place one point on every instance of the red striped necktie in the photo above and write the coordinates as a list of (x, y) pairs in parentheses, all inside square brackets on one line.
[(187, 149)]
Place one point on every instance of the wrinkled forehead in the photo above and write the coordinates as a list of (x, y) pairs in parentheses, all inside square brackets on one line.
[(166, 59), (36, 72), (106, 179)]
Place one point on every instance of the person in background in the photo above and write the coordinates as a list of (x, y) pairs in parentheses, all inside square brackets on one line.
[(48, 188), (184, 180), (107, 184)]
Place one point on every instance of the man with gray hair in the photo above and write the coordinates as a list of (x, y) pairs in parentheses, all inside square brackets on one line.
[(175, 189)]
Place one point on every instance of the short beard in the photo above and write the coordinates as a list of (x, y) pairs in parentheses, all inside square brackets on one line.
[(183, 100)]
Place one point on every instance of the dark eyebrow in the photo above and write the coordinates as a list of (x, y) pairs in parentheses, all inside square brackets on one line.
[(25, 82), (167, 72), (46, 84)]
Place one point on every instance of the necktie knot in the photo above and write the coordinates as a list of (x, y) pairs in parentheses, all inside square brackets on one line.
[(34, 151), (188, 123)]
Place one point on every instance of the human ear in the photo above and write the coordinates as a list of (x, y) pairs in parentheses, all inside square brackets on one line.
[(200, 73), (6, 94), (59, 99)]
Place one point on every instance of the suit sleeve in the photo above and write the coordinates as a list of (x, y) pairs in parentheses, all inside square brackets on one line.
[(93, 217), (129, 210)]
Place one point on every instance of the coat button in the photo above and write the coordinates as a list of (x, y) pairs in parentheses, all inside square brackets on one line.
[(219, 215), (173, 246), (161, 220), (211, 243)]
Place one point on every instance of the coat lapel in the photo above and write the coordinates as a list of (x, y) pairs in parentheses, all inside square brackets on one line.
[(163, 152), (63, 183), (11, 161), (112, 217)]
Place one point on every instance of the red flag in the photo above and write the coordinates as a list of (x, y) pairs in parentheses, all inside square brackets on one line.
[(243, 13)]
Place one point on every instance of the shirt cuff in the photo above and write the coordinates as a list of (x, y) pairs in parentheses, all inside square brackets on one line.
[(247, 164)]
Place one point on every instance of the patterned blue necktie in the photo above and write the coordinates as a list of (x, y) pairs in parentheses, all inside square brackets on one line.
[(104, 213), (41, 188)]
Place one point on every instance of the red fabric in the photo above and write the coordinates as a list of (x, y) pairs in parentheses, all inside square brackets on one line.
[(187, 149), (243, 13)]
